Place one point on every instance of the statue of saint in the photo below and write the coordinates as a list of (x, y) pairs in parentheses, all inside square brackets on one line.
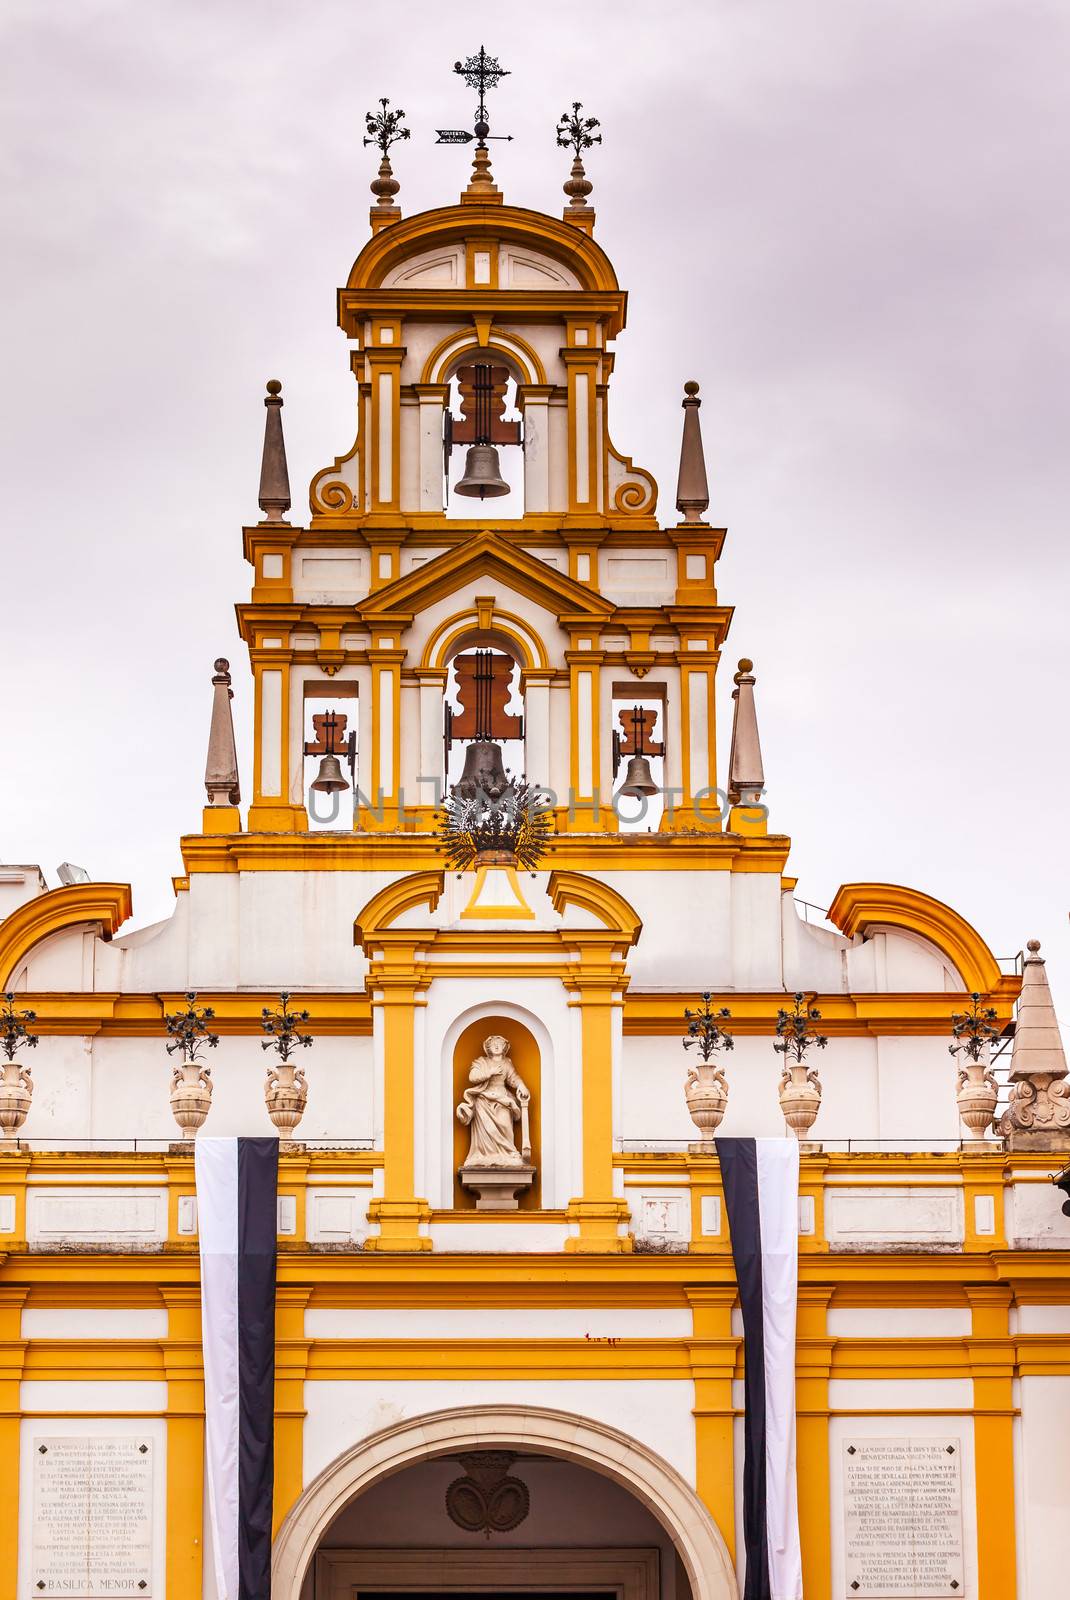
[(494, 1100)]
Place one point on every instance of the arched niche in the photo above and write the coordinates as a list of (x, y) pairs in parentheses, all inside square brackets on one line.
[(527, 1059)]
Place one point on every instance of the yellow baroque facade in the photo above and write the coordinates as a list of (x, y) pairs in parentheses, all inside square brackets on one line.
[(580, 1332)]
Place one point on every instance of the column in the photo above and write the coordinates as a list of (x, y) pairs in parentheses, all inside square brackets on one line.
[(598, 991), (991, 1357), (813, 1364), (184, 1371), (584, 806), (396, 994), (432, 682), (698, 738), (533, 400), (272, 810), (380, 808), (12, 1356), (384, 374), (291, 1369), (584, 463), (433, 399), (713, 1350)]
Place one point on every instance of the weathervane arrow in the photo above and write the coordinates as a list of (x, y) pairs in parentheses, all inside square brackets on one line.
[(480, 72)]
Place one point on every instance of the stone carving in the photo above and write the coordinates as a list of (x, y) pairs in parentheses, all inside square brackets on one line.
[(487, 1499), (1038, 1116), (191, 1095), (800, 1086), (496, 1099), (16, 1080)]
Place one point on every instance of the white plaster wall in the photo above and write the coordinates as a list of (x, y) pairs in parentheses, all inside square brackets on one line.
[(341, 1413), (94, 1322), (296, 928), (899, 1322), (1034, 1214), (34, 1428), (1046, 1485), (62, 1067), (499, 1322)]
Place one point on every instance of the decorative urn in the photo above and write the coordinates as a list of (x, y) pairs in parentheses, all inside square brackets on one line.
[(286, 1091), (16, 1082), (16, 1092), (706, 1087), (191, 1095), (974, 1032), (800, 1086)]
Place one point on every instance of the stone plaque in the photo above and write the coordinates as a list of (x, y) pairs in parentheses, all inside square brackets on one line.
[(903, 1519), (92, 1517)]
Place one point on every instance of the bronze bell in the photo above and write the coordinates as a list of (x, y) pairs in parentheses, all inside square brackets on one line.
[(638, 780), (484, 772), (482, 473), (329, 779)]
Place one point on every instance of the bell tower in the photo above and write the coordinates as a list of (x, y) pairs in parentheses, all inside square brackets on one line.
[(483, 509)]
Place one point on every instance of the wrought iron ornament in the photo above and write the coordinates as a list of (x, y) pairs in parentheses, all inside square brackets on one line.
[(574, 132), (481, 72), (517, 825), (384, 127)]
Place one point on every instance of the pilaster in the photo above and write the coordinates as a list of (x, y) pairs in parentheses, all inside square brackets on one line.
[(183, 1364), (991, 1356), (399, 1212), (714, 1354)]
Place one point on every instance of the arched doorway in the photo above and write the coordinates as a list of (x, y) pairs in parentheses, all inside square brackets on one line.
[(532, 1432)]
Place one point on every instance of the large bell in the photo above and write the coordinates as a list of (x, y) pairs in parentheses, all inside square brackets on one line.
[(329, 779), (484, 772), (482, 473), (638, 780)]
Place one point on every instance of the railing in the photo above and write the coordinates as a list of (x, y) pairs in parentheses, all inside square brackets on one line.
[(937, 1145), (139, 1146)]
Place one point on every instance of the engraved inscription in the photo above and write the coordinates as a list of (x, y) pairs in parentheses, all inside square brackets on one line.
[(903, 1519), (92, 1517)]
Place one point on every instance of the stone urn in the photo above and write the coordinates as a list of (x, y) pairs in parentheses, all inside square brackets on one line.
[(191, 1095), (977, 1095), (285, 1095), (800, 1097), (16, 1092), (706, 1093)]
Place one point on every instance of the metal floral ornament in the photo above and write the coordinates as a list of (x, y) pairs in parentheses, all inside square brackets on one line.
[(188, 1030), (281, 1025), (286, 1090), (14, 1034), (514, 827), (16, 1081), (576, 133), (384, 127)]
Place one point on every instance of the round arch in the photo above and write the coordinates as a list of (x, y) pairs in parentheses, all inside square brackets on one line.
[(463, 627), (595, 1445), (509, 347)]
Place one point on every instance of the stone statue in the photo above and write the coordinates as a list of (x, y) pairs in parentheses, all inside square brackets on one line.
[(494, 1100)]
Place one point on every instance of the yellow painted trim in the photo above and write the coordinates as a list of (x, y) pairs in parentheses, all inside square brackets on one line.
[(858, 907), (442, 644), (602, 901), (108, 904), (12, 1298), (383, 909), (456, 347)]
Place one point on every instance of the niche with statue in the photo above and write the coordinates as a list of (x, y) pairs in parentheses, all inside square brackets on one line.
[(496, 1117)]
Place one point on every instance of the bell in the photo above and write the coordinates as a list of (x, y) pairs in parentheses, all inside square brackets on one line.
[(329, 778), (484, 772), (482, 473), (638, 780)]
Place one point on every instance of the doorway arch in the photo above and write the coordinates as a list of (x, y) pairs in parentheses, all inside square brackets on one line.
[(657, 1485)]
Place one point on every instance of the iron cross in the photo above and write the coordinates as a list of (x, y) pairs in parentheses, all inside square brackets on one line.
[(481, 72)]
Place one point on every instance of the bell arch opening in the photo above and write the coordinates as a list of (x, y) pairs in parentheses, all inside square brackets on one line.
[(483, 432), (484, 706), (507, 1499)]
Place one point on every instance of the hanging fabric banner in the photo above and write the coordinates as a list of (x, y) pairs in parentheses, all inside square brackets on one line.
[(237, 1187), (761, 1191)]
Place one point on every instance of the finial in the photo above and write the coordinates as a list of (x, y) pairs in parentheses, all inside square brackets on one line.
[(692, 490), (384, 129), (746, 773), (274, 499), (1038, 1114), (221, 770), (574, 133), (480, 72)]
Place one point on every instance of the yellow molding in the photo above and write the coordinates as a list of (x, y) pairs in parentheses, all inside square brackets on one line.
[(108, 904), (858, 907), (382, 910), (590, 894), (466, 342)]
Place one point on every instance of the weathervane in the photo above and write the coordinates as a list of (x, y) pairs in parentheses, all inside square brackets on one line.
[(384, 129), (481, 72), (577, 134)]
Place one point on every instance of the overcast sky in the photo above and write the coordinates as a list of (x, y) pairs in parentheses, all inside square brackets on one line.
[(848, 221)]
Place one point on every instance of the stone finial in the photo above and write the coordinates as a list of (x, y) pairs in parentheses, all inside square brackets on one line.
[(746, 774), (385, 129), (692, 491), (221, 770), (577, 134), (1038, 1116), (274, 499), (482, 189)]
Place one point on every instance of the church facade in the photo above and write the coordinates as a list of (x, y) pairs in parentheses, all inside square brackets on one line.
[(509, 1353)]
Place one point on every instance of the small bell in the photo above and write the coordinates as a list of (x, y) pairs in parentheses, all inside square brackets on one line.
[(638, 780), (482, 473), (484, 772), (329, 779)]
